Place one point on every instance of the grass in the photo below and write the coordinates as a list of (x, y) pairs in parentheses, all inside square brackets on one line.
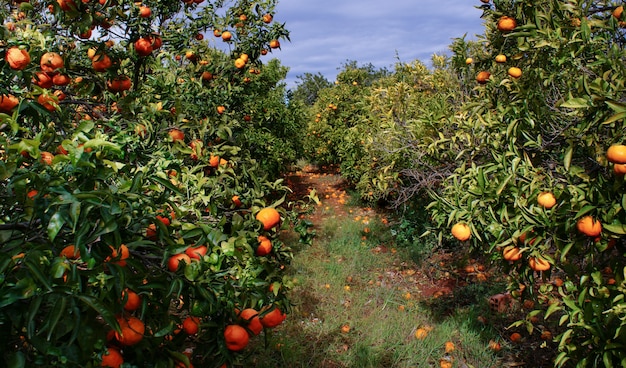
[(357, 304)]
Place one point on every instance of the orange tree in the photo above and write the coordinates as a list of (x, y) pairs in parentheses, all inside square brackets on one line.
[(128, 194), (534, 182)]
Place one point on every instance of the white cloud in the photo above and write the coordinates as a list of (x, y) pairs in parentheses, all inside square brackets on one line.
[(326, 33)]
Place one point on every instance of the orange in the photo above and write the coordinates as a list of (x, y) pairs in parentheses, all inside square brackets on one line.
[(538, 264), (145, 12), (61, 79), (123, 253), (506, 24), (226, 36), (461, 231), (483, 76), (265, 246), (67, 5), (274, 318), (133, 300), (191, 325), (50, 62), (501, 59), (449, 346), (267, 18), (494, 345), (196, 252), (619, 169), (175, 260), (514, 72), (236, 337), (47, 157), (421, 333), (617, 12), (252, 321), (274, 44), (112, 358), (8, 103), (42, 79), (546, 200), (101, 62), (143, 46), (214, 161), (269, 217), (176, 135), (236, 201), (206, 76), (616, 154), (70, 252), (511, 253), (17, 58), (516, 337), (589, 226), (119, 84), (221, 109), (131, 330), (469, 61), (240, 63), (546, 335)]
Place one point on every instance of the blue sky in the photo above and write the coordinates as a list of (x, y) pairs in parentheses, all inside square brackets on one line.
[(326, 33)]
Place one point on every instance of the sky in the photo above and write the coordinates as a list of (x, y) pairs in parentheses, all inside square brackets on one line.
[(326, 33)]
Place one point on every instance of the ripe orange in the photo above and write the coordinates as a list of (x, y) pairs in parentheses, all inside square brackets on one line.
[(50, 62), (101, 62), (267, 18), (236, 200), (421, 333), (265, 246), (236, 337), (274, 318), (618, 169), (67, 5), (538, 264), (176, 135), (8, 103), (516, 337), (226, 36), (70, 252), (145, 12), (133, 300), (240, 63), (469, 61), (483, 77), (589, 226), (501, 59), (617, 12), (61, 79), (191, 325), (269, 217), (511, 253), (47, 157), (132, 330), (494, 345), (112, 358), (274, 44), (175, 260), (449, 346), (143, 46), (214, 161), (206, 76), (546, 335), (196, 252), (616, 154), (546, 200), (252, 321), (461, 231), (514, 72), (17, 58), (221, 109), (119, 84), (42, 79), (506, 24)]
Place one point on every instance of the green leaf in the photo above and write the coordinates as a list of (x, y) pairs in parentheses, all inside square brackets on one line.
[(616, 228), (575, 103), (54, 226)]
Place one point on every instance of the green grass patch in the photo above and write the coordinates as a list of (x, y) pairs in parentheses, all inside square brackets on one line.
[(351, 311)]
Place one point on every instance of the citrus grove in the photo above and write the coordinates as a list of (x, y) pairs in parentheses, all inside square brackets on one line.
[(139, 141), (511, 148)]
